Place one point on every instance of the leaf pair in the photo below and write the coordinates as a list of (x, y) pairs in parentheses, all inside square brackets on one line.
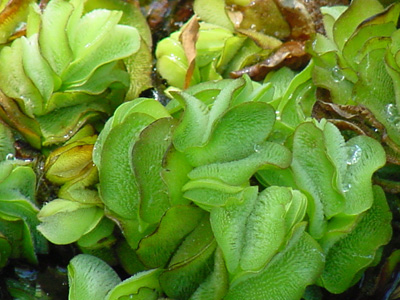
[(61, 77), (18, 213), (335, 175), (357, 63), (129, 155)]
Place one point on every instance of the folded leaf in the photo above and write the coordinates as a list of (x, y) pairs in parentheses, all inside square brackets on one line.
[(60, 214), (287, 275), (191, 264), (133, 285), (357, 250), (90, 278), (147, 156), (156, 249)]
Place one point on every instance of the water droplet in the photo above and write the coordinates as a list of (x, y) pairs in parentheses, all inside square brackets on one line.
[(392, 114), (174, 57), (353, 154), (346, 187), (337, 74), (10, 156), (257, 148), (390, 110), (278, 115), (68, 135)]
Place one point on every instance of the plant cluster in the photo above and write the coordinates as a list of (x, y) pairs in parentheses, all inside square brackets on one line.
[(237, 188)]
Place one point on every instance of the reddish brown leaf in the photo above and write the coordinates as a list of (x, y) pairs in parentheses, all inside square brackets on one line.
[(291, 54), (188, 38), (301, 24)]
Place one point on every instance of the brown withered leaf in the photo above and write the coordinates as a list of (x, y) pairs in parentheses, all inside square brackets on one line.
[(291, 54), (299, 19), (262, 16), (188, 38), (360, 120)]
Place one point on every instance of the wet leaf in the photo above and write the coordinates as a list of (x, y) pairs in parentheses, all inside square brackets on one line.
[(357, 250)]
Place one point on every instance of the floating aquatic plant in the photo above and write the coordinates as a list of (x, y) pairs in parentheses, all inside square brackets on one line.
[(236, 189), (58, 77), (201, 226)]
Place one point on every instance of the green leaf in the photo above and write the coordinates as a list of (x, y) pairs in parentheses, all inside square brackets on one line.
[(62, 123), (60, 214), (174, 173), (172, 68), (143, 293), (37, 69), (327, 74), (6, 142), (330, 15), (189, 132), (120, 43), (221, 105), (69, 162), (107, 75), (237, 132), (229, 226), (375, 90), (191, 264), (18, 181), (132, 285), (15, 83), (216, 284), (287, 275), (266, 225), (357, 250), (53, 39), (239, 171), (19, 237), (147, 157), (213, 12), (208, 193), (156, 249), (102, 230), (358, 11), (118, 186), (352, 46), (84, 43), (138, 65), (366, 157), (90, 278), (314, 173)]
